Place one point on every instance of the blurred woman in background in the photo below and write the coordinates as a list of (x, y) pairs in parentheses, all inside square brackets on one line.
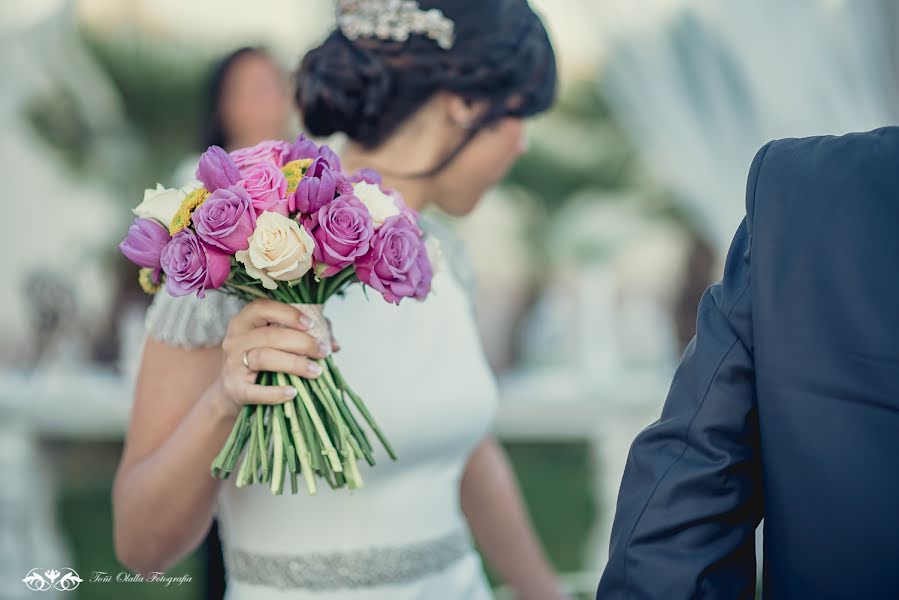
[(247, 101)]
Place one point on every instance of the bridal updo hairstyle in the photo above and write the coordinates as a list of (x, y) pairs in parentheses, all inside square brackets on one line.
[(365, 88)]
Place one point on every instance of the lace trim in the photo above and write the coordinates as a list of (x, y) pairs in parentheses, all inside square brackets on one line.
[(454, 252), (352, 569), (190, 322)]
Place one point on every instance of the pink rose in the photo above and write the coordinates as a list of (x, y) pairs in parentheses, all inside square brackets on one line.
[(267, 187), (269, 151)]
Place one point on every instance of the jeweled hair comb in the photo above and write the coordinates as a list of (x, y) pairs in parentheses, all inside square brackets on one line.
[(393, 20)]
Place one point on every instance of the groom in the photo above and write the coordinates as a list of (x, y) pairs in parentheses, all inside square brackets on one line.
[(786, 404)]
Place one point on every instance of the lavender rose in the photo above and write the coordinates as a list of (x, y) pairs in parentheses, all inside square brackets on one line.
[(315, 189), (217, 170), (226, 219), (267, 187), (397, 264), (267, 152), (192, 266), (144, 243), (342, 230)]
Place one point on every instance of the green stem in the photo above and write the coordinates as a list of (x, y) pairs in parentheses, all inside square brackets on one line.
[(237, 450), (245, 474), (289, 451), (348, 416), (327, 446), (326, 400), (249, 290), (302, 449), (360, 405), (278, 465), (351, 469), (347, 442), (315, 452), (301, 446), (334, 283), (356, 436), (219, 463), (261, 440), (303, 289)]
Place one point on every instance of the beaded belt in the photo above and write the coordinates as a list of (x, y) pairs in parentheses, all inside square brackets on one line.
[(362, 568)]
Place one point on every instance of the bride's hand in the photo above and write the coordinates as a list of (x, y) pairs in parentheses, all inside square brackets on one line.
[(266, 336)]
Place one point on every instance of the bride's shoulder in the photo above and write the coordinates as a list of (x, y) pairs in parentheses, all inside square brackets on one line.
[(452, 253), (191, 322)]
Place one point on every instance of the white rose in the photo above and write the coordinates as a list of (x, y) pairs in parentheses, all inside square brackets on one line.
[(160, 204), (380, 206), (280, 250)]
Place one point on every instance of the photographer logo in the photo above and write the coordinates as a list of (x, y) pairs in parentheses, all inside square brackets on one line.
[(41, 580)]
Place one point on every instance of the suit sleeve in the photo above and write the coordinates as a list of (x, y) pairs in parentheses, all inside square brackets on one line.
[(690, 499)]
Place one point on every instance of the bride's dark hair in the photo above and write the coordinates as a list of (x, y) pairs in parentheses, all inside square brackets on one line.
[(367, 87)]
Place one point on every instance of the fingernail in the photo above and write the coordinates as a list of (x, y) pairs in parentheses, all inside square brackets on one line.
[(314, 370), (305, 322), (290, 392), (324, 348)]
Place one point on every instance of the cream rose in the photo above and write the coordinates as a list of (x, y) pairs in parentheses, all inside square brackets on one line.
[(280, 250), (160, 204), (380, 206)]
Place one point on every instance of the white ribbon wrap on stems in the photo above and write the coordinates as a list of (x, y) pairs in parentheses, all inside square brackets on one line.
[(320, 329)]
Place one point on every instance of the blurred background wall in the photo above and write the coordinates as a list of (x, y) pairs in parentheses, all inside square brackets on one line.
[(590, 257)]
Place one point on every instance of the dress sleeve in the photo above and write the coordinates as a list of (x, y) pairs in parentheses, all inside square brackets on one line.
[(454, 253), (191, 322)]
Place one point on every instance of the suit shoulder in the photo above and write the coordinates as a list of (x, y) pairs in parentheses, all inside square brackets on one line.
[(835, 155)]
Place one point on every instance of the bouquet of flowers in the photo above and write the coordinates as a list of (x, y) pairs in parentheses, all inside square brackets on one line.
[(281, 221)]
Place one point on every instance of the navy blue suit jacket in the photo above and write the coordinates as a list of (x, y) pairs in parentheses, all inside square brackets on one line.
[(786, 403)]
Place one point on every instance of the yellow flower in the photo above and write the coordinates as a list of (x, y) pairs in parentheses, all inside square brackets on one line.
[(145, 278), (182, 217), (294, 171)]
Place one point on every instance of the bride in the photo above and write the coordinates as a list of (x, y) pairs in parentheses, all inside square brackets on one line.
[(435, 102)]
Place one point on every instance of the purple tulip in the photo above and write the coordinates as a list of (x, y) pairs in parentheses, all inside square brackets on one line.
[(144, 243), (301, 148), (217, 170), (192, 266), (330, 156), (397, 264), (317, 187), (226, 219), (342, 230)]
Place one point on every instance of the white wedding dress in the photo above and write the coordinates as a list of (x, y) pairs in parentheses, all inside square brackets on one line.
[(421, 370)]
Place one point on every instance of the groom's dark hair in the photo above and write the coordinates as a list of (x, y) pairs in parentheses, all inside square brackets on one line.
[(367, 87)]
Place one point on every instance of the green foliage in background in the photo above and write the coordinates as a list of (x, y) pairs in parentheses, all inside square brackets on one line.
[(556, 480)]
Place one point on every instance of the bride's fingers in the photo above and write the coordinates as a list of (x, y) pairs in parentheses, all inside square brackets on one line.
[(252, 393), (278, 361), (281, 338), (261, 312)]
